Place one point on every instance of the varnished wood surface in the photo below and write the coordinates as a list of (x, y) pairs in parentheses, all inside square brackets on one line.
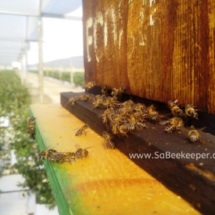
[(106, 182), (161, 50)]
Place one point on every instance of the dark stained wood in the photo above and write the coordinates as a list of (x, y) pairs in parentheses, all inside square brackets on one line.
[(193, 179), (161, 50)]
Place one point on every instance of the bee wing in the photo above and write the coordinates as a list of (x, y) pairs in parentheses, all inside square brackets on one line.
[(76, 129), (77, 146), (201, 129), (164, 122), (88, 147)]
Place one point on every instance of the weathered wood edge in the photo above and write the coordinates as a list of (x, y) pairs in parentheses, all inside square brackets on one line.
[(193, 184), (62, 205)]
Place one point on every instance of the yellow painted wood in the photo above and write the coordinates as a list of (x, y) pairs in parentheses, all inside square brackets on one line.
[(106, 182)]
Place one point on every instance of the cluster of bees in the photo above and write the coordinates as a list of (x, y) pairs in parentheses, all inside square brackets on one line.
[(120, 118), (176, 123), (61, 157)]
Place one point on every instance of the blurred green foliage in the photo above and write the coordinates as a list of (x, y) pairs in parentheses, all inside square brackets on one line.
[(14, 104), (78, 77)]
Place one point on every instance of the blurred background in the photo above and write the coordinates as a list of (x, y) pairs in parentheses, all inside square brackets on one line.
[(41, 55)]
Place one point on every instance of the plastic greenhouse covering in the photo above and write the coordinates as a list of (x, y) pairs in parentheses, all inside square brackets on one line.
[(19, 20)]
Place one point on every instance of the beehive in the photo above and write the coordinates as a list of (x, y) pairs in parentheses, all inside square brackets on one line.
[(159, 49)]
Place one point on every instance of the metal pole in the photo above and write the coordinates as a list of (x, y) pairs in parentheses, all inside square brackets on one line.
[(40, 56), (71, 74), (24, 68), (26, 62), (21, 70)]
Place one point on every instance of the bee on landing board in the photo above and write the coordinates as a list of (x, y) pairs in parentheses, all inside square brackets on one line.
[(104, 90), (71, 101), (48, 155), (193, 135), (82, 130), (175, 109), (174, 124), (153, 115), (83, 98), (107, 140), (81, 153), (98, 100), (89, 85), (118, 92), (31, 126), (191, 111), (62, 157)]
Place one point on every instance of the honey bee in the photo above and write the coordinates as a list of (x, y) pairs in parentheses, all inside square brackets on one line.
[(83, 98), (193, 135), (71, 101), (152, 114), (31, 126), (125, 128), (175, 109), (191, 111), (89, 85), (62, 157), (47, 155), (97, 101), (106, 116), (139, 108), (81, 153), (115, 128), (107, 141), (175, 124), (118, 92), (128, 104), (104, 90), (110, 102), (82, 130), (140, 125), (139, 116)]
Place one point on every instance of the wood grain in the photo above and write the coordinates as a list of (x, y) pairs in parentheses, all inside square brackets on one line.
[(161, 50), (106, 182)]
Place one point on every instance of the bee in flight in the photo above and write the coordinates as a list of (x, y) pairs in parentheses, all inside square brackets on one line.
[(82, 130), (31, 126), (193, 135), (89, 85), (107, 140), (191, 111)]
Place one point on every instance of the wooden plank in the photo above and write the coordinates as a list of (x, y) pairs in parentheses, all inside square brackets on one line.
[(106, 182), (161, 50), (193, 179)]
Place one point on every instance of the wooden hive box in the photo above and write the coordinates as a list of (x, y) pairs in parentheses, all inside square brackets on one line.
[(160, 49)]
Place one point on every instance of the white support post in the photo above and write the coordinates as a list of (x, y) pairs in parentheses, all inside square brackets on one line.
[(71, 74), (26, 62), (21, 70), (40, 57)]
